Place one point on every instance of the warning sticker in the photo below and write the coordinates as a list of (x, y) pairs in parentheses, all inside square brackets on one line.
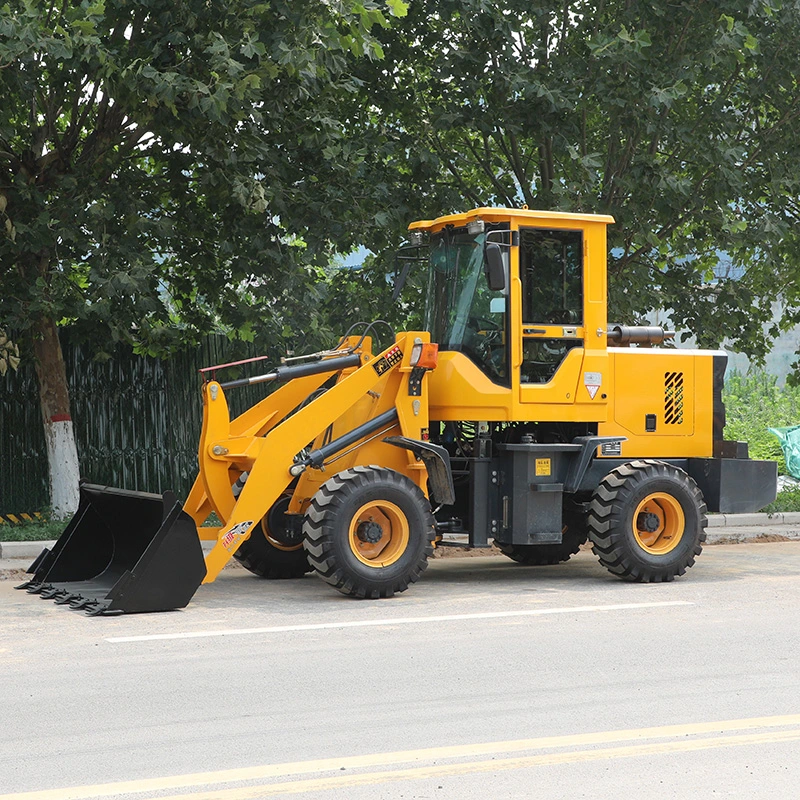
[(385, 363), (543, 466), (592, 381), (231, 537)]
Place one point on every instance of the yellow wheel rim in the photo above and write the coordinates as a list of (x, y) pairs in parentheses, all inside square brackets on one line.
[(378, 533), (658, 523)]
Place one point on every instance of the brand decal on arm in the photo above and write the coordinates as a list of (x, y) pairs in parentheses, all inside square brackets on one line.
[(231, 538)]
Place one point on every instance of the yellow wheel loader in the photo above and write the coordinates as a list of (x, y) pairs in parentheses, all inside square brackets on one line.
[(519, 417)]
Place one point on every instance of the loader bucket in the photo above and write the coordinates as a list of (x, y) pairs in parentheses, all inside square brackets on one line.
[(122, 552)]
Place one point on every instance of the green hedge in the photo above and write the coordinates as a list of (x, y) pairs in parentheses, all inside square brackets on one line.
[(755, 402)]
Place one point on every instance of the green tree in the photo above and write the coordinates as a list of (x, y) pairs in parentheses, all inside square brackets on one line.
[(680, 119), (157, 172)]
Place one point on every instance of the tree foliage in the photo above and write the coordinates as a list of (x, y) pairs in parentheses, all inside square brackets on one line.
[(157, 173), (680, 119), (158, 160), (168, 168)]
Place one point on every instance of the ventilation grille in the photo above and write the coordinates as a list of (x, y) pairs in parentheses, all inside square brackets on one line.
[(673, 398)]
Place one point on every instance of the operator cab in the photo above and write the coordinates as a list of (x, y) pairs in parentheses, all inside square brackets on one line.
[(511, 290)]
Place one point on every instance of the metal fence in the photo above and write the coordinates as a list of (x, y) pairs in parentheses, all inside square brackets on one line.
[(137, 422)]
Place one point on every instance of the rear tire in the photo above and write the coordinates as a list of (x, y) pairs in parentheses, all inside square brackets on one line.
[(369, 532), (573, 535), (647, 521), (273, 551)]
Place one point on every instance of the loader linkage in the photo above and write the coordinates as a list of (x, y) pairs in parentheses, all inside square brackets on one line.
[(129, 551)]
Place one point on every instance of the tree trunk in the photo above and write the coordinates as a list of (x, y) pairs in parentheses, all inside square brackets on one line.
[(62, 454)]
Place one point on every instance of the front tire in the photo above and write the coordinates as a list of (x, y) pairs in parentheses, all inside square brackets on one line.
[(647, 521), (369, 532), (273, 550)]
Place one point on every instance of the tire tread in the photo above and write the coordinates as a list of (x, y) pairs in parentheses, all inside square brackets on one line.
[(320, 530), (606, 523)]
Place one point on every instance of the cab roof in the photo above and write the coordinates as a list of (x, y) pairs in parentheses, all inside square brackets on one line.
[(507, 214)]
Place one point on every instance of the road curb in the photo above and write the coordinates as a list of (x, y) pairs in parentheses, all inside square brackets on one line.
[(22, 549), (721, 528), (743, 535), (748, 520)]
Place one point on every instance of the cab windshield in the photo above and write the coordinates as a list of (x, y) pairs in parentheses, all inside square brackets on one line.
[(462, 313)]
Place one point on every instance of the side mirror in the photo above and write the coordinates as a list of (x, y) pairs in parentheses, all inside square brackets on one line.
[(400, 282), (493, 267), (402, 255)]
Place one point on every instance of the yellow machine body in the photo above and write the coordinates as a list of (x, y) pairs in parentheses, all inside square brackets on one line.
[(612, 386)]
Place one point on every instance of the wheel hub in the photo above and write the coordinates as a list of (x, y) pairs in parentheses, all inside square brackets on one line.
[(647, 521), (658, 523), (280, 528), (379, 533), (369, 531)]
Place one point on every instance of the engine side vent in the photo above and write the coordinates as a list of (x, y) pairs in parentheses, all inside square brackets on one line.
[(673, 398)]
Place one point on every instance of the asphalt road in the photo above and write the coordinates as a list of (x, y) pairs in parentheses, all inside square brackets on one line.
[(485, 680)]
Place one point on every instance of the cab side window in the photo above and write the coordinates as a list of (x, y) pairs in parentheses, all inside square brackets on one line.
[(551, 269)]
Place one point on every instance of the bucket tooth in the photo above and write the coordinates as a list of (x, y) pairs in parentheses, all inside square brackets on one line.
[(98, 609), (66, 599), (122, 552)]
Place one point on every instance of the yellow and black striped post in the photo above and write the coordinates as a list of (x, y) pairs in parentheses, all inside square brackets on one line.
[(19, 519)]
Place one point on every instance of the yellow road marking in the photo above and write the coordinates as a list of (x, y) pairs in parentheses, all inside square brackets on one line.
[(17, 518), (487, 765), (437, 753)]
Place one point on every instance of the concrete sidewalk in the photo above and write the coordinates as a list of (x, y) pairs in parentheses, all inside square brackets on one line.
[(27, 551), (722, 529)]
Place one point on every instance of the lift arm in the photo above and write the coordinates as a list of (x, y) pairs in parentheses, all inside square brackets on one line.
[(272, 448)]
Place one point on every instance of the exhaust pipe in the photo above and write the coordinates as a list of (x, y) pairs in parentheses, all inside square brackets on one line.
[(625, 335), (122, 552)]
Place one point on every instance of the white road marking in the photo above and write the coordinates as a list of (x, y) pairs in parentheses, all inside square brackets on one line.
[(642, 742), (371, 623)]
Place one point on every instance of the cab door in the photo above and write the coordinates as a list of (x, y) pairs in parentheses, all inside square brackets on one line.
[(551, 271)]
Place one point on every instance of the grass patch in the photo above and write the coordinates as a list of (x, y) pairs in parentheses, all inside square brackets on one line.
[(787, 500), (32, 531), (755, 402)]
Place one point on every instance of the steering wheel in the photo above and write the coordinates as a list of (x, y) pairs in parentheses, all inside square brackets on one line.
[(484, 326), (485, 340)]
